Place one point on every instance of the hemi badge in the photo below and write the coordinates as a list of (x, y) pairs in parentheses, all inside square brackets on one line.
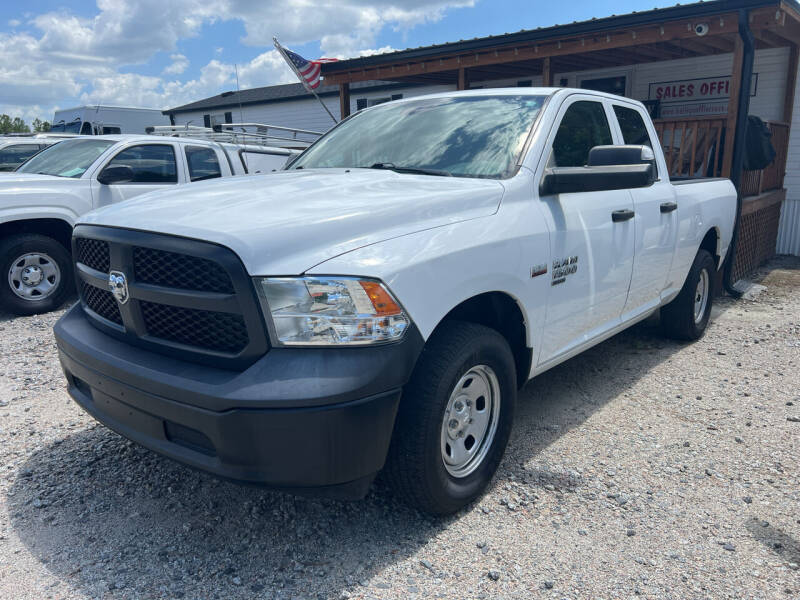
[(538, 270)]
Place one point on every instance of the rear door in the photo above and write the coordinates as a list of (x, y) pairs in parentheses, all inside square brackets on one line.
[(155, 166), (656, 219), (592, 254)]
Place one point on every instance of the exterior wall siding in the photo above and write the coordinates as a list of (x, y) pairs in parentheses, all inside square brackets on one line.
[(789, 224)]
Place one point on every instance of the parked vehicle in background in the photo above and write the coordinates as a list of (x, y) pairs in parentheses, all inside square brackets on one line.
[(43, 199), (15, 150), (106, 120), (382, 300)]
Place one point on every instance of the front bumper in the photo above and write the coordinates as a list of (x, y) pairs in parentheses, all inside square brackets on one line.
[(296, 418)]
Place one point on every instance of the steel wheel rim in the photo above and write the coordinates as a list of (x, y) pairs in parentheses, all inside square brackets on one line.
[(701, 296), (34, 276), (470, 420)]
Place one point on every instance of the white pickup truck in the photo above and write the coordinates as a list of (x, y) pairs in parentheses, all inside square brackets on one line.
[(379, 304), (41, 201)]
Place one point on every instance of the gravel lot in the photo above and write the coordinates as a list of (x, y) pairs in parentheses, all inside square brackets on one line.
[(641, 468)]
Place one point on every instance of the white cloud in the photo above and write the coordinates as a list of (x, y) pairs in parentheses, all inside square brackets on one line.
[(178, 66), (62, 56), (14, 23)]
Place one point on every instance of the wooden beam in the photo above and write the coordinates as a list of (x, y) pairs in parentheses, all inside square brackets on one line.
[(463, 84), (791, 84), (677, 30), (733, 107), (344, 100), (547, 74)]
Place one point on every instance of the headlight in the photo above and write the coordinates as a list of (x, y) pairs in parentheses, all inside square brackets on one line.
[(330, 311)]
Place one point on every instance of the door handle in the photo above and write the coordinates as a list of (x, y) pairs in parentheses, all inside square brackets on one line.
[(668, 207), (622, 215)]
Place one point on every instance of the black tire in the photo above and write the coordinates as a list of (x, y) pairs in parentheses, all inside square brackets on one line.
[(19, 245), (415, 467), (678, 317)]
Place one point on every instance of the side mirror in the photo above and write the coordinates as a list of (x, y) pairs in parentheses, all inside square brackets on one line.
[(116, 174), (609, 168)]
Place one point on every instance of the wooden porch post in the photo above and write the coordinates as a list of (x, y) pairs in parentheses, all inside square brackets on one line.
[(547, 74), (463, 84), (344, 100), (733, 107)]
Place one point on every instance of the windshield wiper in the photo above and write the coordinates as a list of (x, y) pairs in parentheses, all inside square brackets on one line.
[(400, 169)]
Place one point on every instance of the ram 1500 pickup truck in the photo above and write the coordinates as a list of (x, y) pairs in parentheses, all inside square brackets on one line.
[(378, 305), (41, 201)]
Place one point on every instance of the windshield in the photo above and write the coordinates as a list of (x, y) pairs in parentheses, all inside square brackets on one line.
[(61, 126), (69, 158), (466, 136)]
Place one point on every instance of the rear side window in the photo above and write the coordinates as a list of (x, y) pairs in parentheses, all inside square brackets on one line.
[(263, 162), (583, 126), (203, 163), (151, 163), (634, 131), (13, 156)]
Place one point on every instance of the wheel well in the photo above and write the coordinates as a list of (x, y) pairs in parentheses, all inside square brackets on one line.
[(711, 244), (502, 313), (59, 230)]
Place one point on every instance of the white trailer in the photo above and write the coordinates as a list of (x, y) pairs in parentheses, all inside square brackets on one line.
[(102, 120)]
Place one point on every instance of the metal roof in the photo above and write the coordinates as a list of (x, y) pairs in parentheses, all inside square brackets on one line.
[(273, 93), (595, 25)]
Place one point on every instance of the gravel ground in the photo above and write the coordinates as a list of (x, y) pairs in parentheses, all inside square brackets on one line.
[(642, 468)]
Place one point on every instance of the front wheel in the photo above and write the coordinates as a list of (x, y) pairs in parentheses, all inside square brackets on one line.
[(686, 317), (454, 419), (37, 274)]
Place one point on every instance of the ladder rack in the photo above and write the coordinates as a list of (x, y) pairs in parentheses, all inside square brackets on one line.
[(242, 133)]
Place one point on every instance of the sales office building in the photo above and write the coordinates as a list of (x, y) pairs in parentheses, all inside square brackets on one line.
[(694, 66)]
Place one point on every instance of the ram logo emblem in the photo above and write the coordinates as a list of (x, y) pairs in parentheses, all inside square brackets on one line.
[(118, 285)]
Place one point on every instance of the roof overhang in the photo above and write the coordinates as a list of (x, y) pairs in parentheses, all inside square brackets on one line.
[(659, 34)]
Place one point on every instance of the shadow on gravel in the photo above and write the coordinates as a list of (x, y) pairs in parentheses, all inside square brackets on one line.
[(114, 520), (775, 539)]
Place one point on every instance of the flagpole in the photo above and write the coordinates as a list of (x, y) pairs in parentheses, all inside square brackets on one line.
[(279, 48)]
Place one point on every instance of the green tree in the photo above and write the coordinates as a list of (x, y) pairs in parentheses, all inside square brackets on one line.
[(15, 125), (40, 126)]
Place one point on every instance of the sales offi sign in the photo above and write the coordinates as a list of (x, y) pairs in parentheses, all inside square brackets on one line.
[(707, 96)]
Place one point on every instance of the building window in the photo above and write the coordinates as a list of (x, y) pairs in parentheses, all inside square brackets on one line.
[(207, 121), (612, 85), (525, 83), (361, 104), (229, 117)]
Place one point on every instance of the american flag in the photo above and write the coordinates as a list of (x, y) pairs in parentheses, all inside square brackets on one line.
[(307, 70)]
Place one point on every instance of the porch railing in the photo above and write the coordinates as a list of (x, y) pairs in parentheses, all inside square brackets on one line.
[(695, 147)]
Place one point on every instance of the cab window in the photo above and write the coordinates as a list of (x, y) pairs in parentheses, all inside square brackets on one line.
[(13, 156), (583, 126), (151, 163), (634, 130), (203, 163)]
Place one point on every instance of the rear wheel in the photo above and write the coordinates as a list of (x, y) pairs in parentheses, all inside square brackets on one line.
[(37, 274), (454, 419), (686, 317)]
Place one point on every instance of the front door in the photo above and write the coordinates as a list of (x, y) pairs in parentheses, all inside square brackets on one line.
[(592, 253), (154, 167)]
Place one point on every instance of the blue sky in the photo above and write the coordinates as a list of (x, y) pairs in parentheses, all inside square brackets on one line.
[(162, 53)]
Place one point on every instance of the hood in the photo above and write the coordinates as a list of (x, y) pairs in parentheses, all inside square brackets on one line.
[(43, 196), (285, 223)]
